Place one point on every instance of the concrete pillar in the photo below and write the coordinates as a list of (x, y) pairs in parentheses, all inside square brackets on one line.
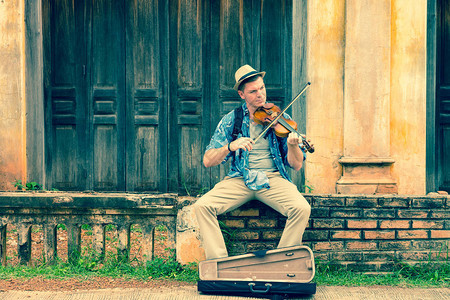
[(50, 242), (3, 245), (188, 247), (123, 247), (366, 162)]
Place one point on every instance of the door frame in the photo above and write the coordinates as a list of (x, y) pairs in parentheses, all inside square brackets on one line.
[(34, 92), (431, 144)]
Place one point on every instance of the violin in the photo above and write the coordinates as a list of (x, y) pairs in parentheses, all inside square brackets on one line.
[(271, 116), (264, 115)]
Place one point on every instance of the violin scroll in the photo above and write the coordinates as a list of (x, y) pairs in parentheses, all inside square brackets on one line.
[(307, 146)]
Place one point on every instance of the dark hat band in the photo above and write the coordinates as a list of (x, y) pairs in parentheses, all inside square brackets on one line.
[(248, 75)]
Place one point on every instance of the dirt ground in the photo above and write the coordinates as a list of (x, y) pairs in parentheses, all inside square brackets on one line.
[(41, 284)]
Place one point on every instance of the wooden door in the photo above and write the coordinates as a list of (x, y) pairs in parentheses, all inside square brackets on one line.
[(106, 94), (84, 94), (134, 89), (65, 90), (248, 32), (146, 62), (443, 96)]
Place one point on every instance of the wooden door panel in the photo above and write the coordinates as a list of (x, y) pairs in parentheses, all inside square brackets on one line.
[(146, 95), (249, 32), (187, 99), (65, 104), (107, 98)]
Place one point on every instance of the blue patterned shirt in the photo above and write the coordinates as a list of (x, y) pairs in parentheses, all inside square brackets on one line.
[(254, 179)]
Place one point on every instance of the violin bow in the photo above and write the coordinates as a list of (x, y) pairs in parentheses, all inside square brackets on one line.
[(282, 112)]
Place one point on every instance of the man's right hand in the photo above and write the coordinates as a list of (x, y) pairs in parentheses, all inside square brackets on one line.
[(243, 143)]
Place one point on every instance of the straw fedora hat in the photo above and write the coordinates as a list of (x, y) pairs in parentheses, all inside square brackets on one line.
[(245, 72)]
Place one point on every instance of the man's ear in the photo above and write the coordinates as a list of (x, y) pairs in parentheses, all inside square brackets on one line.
[(241, 93)]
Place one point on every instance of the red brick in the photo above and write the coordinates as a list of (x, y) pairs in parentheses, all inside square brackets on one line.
[(440, 214), (428, 203), (394, 224), (362, 224), (358, 202), (346, 234), (247, 235), (315, 235), (440, 234), (333, 223), (252, 212), (430, 244), (322, 212), (345, 213), (394, 245), (260, 246), (329, 201), (393, 202), (412, 234), (328, 246), (346, 256), (234, 223), (379, 255), (428, 224), (272, 234), (361, 245), (414, 255), (262, 223), (412, 214), (379, 235), (379, 213)]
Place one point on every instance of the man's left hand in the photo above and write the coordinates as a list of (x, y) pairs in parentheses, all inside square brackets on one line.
[(294, 139)]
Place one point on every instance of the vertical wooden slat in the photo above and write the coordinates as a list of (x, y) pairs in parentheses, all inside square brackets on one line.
[(24, 243), (64, 94), (189, 98), (146, 81), (107, 94), (3, 245), (50, 242)]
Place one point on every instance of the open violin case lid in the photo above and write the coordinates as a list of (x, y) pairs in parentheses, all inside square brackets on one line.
[(276, 274)]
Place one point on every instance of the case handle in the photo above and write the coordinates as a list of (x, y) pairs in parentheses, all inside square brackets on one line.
[(252, 285)]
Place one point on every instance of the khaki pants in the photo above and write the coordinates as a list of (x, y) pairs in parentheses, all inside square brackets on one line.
[(231, 193)]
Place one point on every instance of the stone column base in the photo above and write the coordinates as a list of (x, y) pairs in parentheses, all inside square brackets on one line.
[(366, 175)]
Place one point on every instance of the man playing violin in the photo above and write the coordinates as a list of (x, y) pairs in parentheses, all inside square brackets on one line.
[(258, 170)]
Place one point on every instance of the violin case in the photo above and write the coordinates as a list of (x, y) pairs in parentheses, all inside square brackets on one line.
[(273, 274)]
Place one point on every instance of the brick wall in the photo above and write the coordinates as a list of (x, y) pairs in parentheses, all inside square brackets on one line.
[(365, 233)]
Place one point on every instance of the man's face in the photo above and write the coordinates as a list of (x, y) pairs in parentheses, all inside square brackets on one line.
[(254, 93)]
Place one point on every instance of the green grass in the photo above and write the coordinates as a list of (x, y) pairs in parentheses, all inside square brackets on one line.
[(428, 274), (425, 275), (89, 267)]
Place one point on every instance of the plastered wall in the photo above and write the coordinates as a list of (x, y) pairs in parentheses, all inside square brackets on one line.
[(12, 117), (407, 93)]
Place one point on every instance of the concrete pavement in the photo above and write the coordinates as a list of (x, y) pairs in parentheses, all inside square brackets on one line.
[(190, 293)]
